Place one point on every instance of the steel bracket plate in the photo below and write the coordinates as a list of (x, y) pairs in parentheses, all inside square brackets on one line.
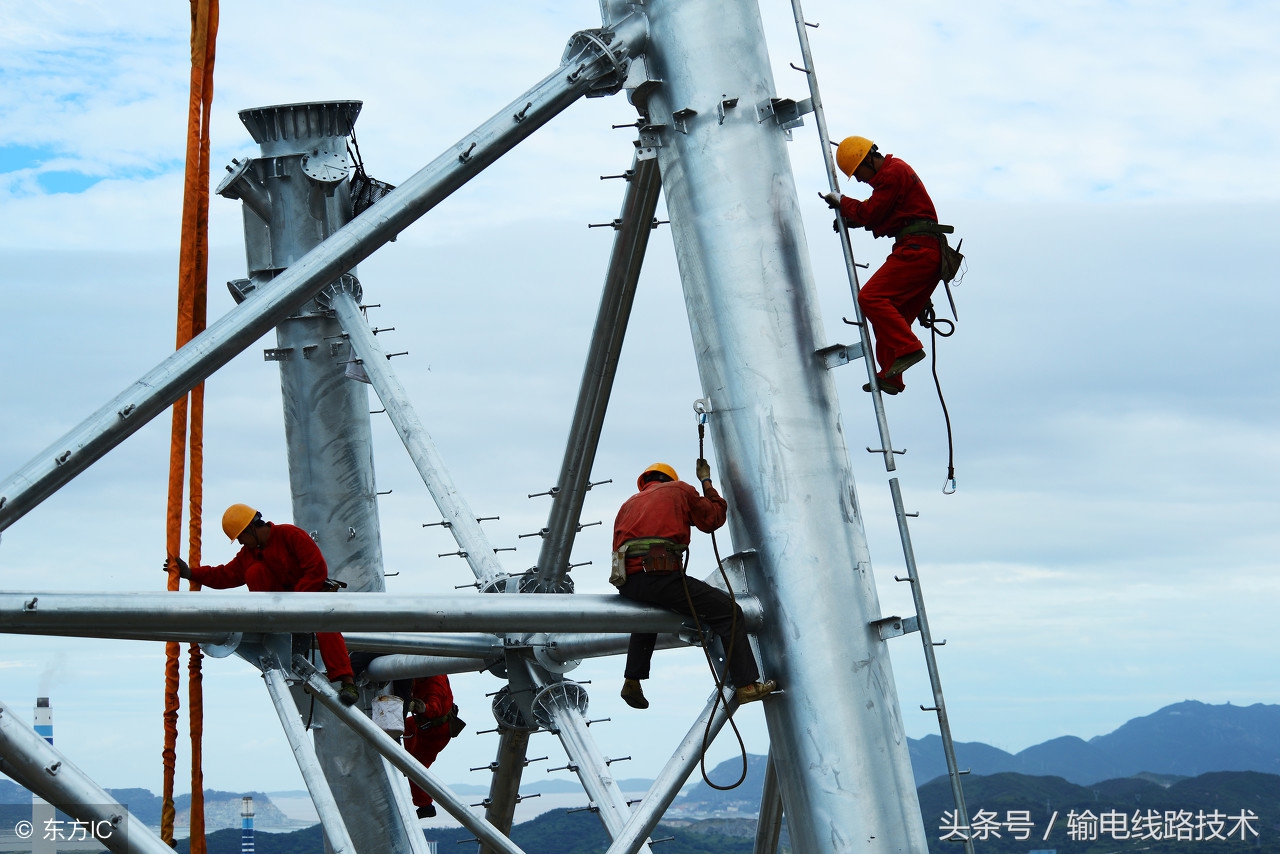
[(786, 112), (893, 627), (277, 354), (840, 354)]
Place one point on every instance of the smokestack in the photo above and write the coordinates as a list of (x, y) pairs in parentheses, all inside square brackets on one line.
[(44, 835), (246, 825)]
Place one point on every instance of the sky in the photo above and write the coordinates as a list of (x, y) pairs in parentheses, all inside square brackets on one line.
[(1112, 386)]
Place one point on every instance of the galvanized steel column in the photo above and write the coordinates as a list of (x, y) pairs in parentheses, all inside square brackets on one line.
[(302, 174), (836, 731)]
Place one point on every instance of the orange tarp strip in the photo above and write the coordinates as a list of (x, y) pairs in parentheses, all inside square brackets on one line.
[(192, 308)]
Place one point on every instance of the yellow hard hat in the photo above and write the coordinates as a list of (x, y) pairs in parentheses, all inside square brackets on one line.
[(852, 151), (658, 467), (236, 519)]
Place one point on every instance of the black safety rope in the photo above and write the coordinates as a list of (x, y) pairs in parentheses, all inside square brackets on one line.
[(311, 712), (728, 653), (930, 320)]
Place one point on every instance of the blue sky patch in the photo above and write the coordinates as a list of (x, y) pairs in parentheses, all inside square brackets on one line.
[(66, 182), (15, 157)]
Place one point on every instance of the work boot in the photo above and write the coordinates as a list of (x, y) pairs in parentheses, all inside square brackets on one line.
[(755, 691), (349, 694), (885, 387), (634, 694), (429, 811), (901, 363)]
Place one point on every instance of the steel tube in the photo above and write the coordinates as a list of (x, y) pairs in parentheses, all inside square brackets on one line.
[(931, 662), (38, 766), (385, 668), (401, 759), (843, 767), (267, 306), (334, 612), (585, 758), (422, 450), (462, 646), (674, 774), (629, 244), (335, 830), (769, 823), (833, 178), (563, 648), (504, 789)]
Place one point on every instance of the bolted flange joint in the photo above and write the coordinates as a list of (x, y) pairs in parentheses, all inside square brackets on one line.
[(346, 284)]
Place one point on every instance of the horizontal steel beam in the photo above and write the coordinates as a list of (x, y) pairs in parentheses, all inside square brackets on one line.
[(335, 612), (459, 645), (586, 64), (385, 668)]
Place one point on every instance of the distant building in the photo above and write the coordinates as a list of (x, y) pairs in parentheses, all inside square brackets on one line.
[(42, 813), (246, 825)]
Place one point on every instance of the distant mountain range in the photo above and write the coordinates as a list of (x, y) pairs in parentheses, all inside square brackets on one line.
[(1186, 739)]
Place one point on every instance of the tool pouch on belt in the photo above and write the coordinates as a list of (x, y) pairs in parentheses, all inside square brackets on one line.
[(456, 724), (951, 258), (658, 556)]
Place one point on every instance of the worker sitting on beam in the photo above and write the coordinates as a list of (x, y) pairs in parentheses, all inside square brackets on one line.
[(651, 542), (276, 558)]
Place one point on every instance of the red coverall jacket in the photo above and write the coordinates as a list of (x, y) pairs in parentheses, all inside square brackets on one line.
[(289, 562), (901, 288), (666, 510), (425, 744)]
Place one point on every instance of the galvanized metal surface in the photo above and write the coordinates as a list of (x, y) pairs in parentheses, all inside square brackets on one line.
[(335, 831), (401, 759), (466, 646), (326, 415), (504, 789), (35, 764), (335, 612), (777, 432), (567, 721), (385, 668), (926, 639), (630, 241), (461, 520), (715, 714), (769, 822), (833, 178), (587, 68)]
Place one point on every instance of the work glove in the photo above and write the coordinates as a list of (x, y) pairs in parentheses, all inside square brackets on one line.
[(184, 571), (703, 470), (832, 200), (417, 707)]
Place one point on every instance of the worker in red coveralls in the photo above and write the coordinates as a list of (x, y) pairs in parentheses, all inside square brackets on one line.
[(900, 290), (432, 722), (276, 558), (650, 539)]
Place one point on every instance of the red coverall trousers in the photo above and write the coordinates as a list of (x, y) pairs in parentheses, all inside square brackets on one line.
[(896, 295)]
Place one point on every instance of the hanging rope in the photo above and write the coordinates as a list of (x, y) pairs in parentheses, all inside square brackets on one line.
[(706, 649), (193, 269), (929, 320)]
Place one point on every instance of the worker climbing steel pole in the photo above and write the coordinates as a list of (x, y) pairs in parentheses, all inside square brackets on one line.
[(900, 290)]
